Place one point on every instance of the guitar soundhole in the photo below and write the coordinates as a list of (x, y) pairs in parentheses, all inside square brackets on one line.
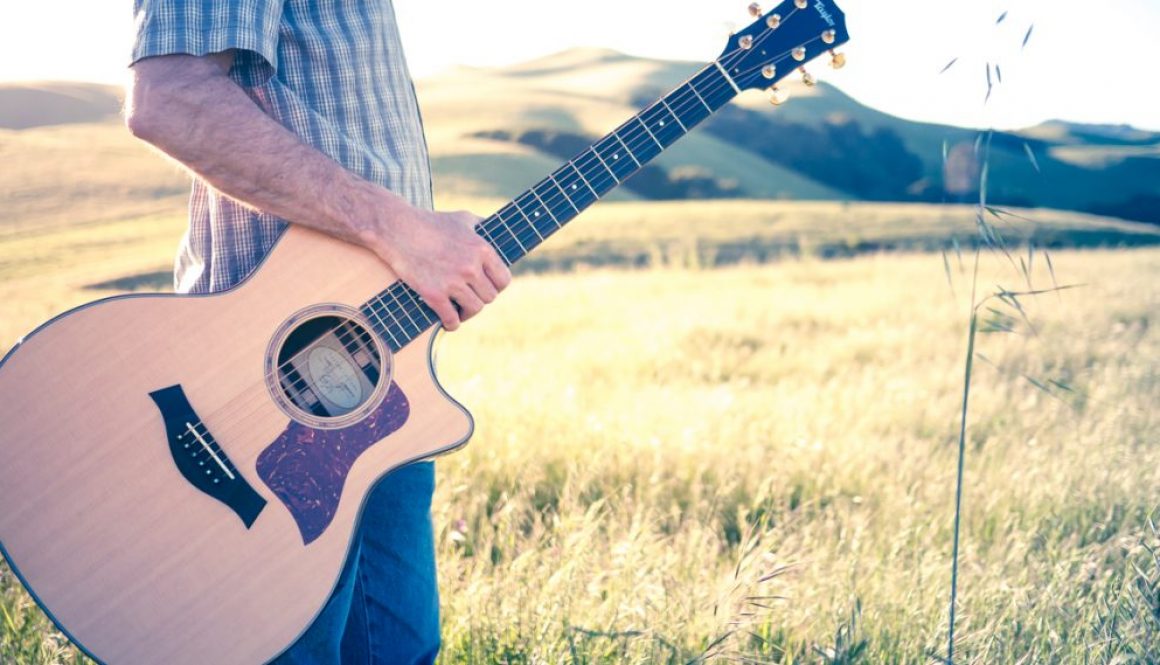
[(328, 369)]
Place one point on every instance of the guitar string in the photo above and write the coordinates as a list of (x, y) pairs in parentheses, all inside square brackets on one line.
[(633, 137), (592, 156), (637, 138), (519, 239), (524, 240)]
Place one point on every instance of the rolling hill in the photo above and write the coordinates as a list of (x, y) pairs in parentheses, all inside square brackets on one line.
[(495, 131)]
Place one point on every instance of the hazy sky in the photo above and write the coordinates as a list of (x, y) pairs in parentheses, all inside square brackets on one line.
[(1086, 61)]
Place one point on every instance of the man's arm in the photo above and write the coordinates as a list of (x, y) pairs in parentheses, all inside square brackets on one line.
[(189, 108)]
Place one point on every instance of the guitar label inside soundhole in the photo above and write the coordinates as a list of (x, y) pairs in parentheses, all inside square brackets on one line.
[(327, 369)]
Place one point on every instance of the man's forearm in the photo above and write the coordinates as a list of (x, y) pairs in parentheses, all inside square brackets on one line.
[(190, 109)]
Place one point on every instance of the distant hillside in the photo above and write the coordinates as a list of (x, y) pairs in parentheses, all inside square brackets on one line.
[(495, 131), (821, 145), (26, 105)]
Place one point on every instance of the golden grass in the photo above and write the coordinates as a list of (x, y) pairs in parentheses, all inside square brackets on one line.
[(668, 457), (756, 462)]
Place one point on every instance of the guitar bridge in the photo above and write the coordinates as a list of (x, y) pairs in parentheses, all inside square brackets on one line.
[(201, 460)]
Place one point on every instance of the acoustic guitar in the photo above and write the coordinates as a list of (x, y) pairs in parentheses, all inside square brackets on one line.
[(181, 476)]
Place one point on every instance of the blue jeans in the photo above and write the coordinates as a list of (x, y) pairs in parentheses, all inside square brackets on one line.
[(385, 608)]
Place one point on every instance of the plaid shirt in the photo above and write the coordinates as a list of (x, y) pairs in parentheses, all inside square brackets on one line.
[(331, 71)]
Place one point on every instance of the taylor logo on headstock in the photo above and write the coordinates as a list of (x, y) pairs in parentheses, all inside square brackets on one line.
[(824, 13)]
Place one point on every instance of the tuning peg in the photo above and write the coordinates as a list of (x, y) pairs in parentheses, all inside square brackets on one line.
[(829, 36), (837, 60), (777, 96), (774, 21), (769, 71), (746, 42), (799, 53), (801, 4), (807, 77), (755, 10)]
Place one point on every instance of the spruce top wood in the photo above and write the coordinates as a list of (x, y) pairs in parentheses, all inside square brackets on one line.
[(181, 476)]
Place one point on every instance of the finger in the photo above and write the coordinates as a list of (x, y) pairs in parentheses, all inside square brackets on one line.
[(497, 271), (484, 288), (445, 309), (468, 219), (469, 303)]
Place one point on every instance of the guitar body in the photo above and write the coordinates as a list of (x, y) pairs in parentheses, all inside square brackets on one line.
[(105, 515)]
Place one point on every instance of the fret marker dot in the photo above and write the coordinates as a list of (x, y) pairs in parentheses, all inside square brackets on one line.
[(573, 185), (616, 155), (537, 213), (661, 123)]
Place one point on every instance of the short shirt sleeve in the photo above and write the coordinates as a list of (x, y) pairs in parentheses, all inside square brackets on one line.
[(202, 27)]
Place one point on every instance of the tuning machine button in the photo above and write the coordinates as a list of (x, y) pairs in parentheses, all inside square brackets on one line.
[(777, 96), (837, 60), (755, 10), (807, 77)]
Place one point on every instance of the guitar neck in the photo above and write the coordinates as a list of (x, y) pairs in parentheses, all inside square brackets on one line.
[(399, 315), (530, 218)]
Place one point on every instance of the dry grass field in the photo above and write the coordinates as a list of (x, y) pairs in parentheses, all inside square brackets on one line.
[(755, 462)]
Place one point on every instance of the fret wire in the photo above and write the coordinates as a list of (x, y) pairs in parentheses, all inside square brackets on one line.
[(382, 314), (385, 327), (546, 207), (483, 231), (504, 246), (511, 253), (397, 332), (515, 224), (403, 307), (572, 181), (663, 129), (420, 308), (625, 145), (605, 164), (509, 229), (654, 138), (675, 116), (563, 209), (592, 173), (703, 102), (687, 110), (529, 220), (583, 179), (555, 182), (411, 306), (597, 178), (615, 155), (380, 304), (496, 223)]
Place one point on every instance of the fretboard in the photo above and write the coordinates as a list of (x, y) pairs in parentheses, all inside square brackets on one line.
[(400, 316)]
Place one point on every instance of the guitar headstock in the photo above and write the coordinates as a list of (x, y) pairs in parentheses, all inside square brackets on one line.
[(783, 40)]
